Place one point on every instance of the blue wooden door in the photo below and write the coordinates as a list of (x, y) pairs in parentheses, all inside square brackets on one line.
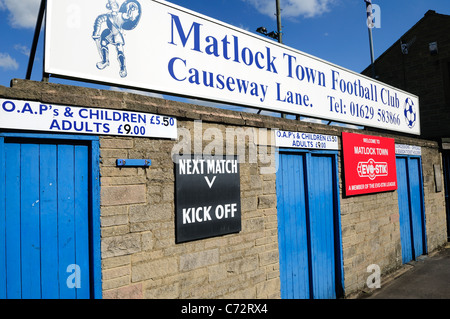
[(404, 211), (308, 226), (44, 245), (417, 213), (321, 187), (292, 228), (410, 204)]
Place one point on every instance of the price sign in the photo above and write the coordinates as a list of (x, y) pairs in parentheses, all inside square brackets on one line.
[(28, 115)]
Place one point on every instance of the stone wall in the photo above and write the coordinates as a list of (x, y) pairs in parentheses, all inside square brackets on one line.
[(371, 225), (436, 227), (139, 255), (140, 258)]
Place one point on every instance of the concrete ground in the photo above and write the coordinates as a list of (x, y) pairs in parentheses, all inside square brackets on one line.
[(426, 278)]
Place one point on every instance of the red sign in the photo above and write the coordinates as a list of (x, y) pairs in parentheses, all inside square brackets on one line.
[(369, 164)]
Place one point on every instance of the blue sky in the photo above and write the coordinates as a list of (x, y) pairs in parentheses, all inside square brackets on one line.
[(333, 30)]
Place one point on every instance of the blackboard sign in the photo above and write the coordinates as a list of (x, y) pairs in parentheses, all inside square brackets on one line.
[(207, 196)]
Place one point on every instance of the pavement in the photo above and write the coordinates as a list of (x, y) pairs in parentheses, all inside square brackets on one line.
[(426, 278)]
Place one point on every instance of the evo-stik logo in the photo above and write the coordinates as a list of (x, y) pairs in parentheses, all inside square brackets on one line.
[(372, 169)]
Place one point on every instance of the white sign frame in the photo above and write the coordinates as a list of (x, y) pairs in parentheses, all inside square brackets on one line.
[(36, 116), (177, 51), (302, 140), (405, 149)]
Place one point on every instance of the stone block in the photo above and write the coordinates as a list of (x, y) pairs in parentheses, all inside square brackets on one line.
[(267, 258), (120, 245), (122, 195), (268, 289), (116, 272), (167, 291), (267, 201), (127, 292), (199, 259), (154, 269), (116, 143), (114, 262)]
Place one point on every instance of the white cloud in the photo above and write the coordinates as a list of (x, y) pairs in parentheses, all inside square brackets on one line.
[(22, 13), (22, 49), (243, 27), (8, 63), (293, 8)]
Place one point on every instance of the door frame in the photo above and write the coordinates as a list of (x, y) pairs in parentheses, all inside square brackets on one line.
[(339, 260), (422, 200), (93, 201)]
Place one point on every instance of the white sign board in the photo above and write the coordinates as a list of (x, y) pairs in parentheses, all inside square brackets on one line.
[(158, 46), (305, 140), (26, 115), (403, 149)]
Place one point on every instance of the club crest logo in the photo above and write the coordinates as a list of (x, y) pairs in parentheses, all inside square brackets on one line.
[(410, 113), (109, 31)]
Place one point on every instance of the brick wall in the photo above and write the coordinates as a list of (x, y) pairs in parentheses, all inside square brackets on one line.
[(139, 256), (421, 73)]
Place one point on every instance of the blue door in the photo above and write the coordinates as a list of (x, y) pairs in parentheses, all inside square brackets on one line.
[(411, 209), (322, 216), (44, 219), (292, 228), (308, 226)]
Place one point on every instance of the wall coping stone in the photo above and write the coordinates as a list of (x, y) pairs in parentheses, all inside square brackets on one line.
[(62, 94)]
